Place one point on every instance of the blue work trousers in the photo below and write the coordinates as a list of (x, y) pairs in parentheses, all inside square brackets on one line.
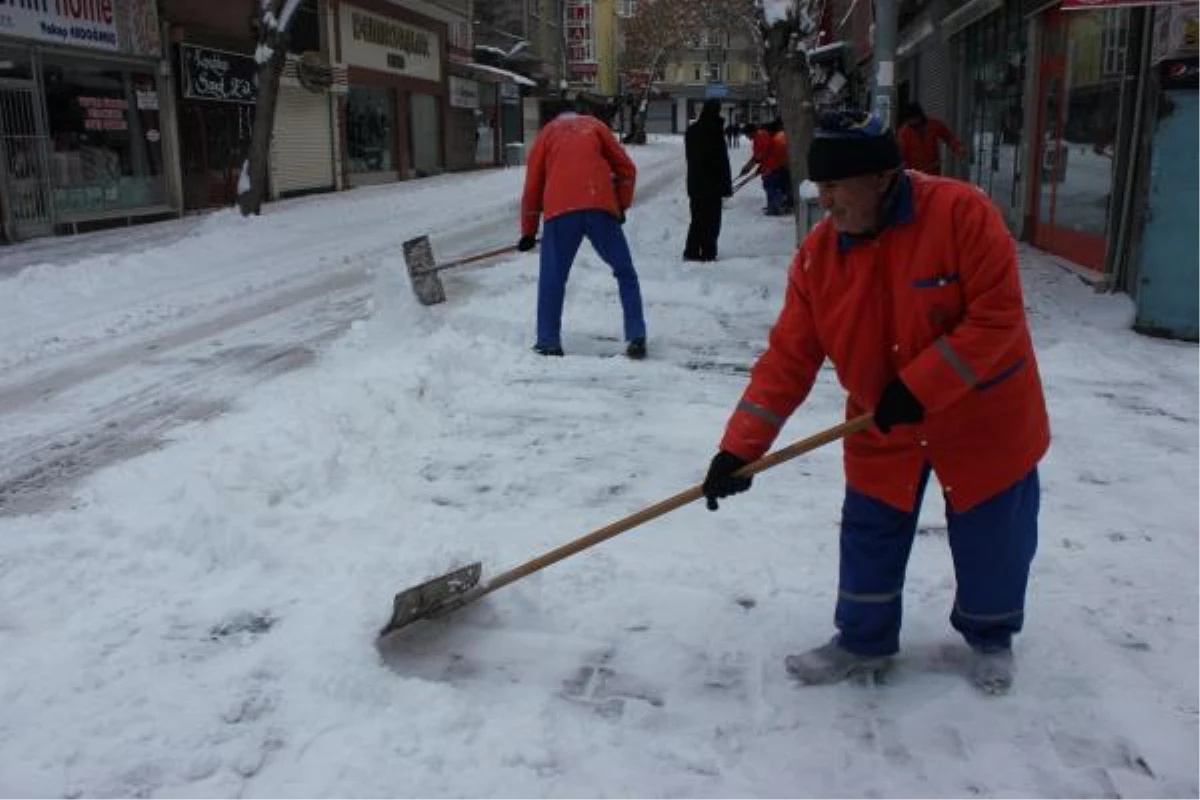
[(992, 545), (561, 238)]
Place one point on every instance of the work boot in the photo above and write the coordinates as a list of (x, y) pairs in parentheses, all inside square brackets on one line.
[(547, 350), (832, 663), (636, 349), (992, 670)]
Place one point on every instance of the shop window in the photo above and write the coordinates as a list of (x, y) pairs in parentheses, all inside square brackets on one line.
[(106, 141), (370, 129)]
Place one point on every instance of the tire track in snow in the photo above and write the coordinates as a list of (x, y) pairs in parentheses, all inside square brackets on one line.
[(156, 381)]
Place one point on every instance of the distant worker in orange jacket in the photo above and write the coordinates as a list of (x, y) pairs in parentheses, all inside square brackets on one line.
[(910, 288), (769, 154), (920, 140), (581, 181)]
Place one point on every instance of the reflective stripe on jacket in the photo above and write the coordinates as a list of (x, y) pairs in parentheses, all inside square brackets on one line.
[(936, 299), (576, 164)]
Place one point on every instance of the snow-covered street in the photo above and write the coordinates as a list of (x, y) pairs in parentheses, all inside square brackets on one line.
[(228, 442)]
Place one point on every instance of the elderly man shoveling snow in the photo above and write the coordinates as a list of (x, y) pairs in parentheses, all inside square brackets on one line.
[(911, 289)]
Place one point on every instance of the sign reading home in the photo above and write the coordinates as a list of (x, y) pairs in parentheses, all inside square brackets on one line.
[(219, 75), (79, 23), (379, 43)]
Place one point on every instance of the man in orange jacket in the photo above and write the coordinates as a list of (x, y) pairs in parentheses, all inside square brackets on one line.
[(581, 180), (920, 139), (910, 287), (769, 154)]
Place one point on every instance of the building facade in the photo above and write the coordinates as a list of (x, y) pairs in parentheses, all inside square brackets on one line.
[(1070, 111), (83, 106), (720, 65), (590, 29)]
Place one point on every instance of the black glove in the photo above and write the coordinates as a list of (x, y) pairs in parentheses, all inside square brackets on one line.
[(527, 243), (621, 216), (720, 481), (897, 406)]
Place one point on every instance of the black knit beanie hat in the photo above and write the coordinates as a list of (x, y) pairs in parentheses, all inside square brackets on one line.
[(850, 143)]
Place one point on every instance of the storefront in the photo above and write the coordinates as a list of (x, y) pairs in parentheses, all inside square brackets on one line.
[(302, 149), (81, 128), (396, 103), (1085, 100), (217, 92), (990, 56)]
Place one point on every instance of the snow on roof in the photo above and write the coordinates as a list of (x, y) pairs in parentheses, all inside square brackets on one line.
[(514, 77)]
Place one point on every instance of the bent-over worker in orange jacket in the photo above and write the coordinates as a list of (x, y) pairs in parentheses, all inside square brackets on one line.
[(581, 181), (920, 139), (910, 287)]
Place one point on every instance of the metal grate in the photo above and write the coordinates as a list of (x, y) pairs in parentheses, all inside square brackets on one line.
[(24, 164)]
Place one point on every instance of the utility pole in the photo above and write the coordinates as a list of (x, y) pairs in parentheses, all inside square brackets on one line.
[(883, 99)]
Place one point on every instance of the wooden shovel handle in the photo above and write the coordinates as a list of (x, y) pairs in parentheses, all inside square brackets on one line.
[(499, 251), (671, 503)]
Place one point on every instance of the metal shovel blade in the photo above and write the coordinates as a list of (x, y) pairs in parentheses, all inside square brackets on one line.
[(434, 597), (422, 271)]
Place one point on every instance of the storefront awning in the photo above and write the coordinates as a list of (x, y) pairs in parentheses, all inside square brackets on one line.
[(520, 80)]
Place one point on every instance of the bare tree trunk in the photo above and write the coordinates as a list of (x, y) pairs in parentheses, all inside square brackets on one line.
[(271, 55), (250, 201), (789, 75)]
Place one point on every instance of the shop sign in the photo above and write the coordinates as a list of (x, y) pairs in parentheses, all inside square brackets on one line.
[(388, 45), (219, 75), (79, 23), (463, 93), (103, 113)]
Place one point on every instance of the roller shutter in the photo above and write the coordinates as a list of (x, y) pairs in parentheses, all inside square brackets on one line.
[(302, 144)]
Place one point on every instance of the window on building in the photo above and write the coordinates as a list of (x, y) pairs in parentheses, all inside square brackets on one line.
[(459, 35), (581, 45), (105, 134), (1114, 41), (370, 126), (707, 72), (627, 8)]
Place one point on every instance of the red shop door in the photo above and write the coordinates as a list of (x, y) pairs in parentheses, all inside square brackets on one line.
[(1071, 185)]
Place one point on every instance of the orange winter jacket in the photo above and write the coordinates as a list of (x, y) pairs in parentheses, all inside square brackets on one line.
[(919, 145), (935, 299), (769, 150), (576, 164), (776, 156)]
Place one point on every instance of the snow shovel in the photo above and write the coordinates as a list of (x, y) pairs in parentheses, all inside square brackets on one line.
[(738, 184), (423, 270), (439, 596)]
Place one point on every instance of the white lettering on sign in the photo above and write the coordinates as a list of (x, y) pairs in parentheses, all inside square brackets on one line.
[(388, 45), (82, 23)]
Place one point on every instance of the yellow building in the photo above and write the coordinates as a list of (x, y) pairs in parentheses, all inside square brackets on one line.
[(590, 30)]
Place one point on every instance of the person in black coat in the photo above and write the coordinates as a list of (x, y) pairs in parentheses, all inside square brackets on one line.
[(708, 181)]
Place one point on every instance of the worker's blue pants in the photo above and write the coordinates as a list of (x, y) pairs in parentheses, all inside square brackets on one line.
[(992, 545)]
